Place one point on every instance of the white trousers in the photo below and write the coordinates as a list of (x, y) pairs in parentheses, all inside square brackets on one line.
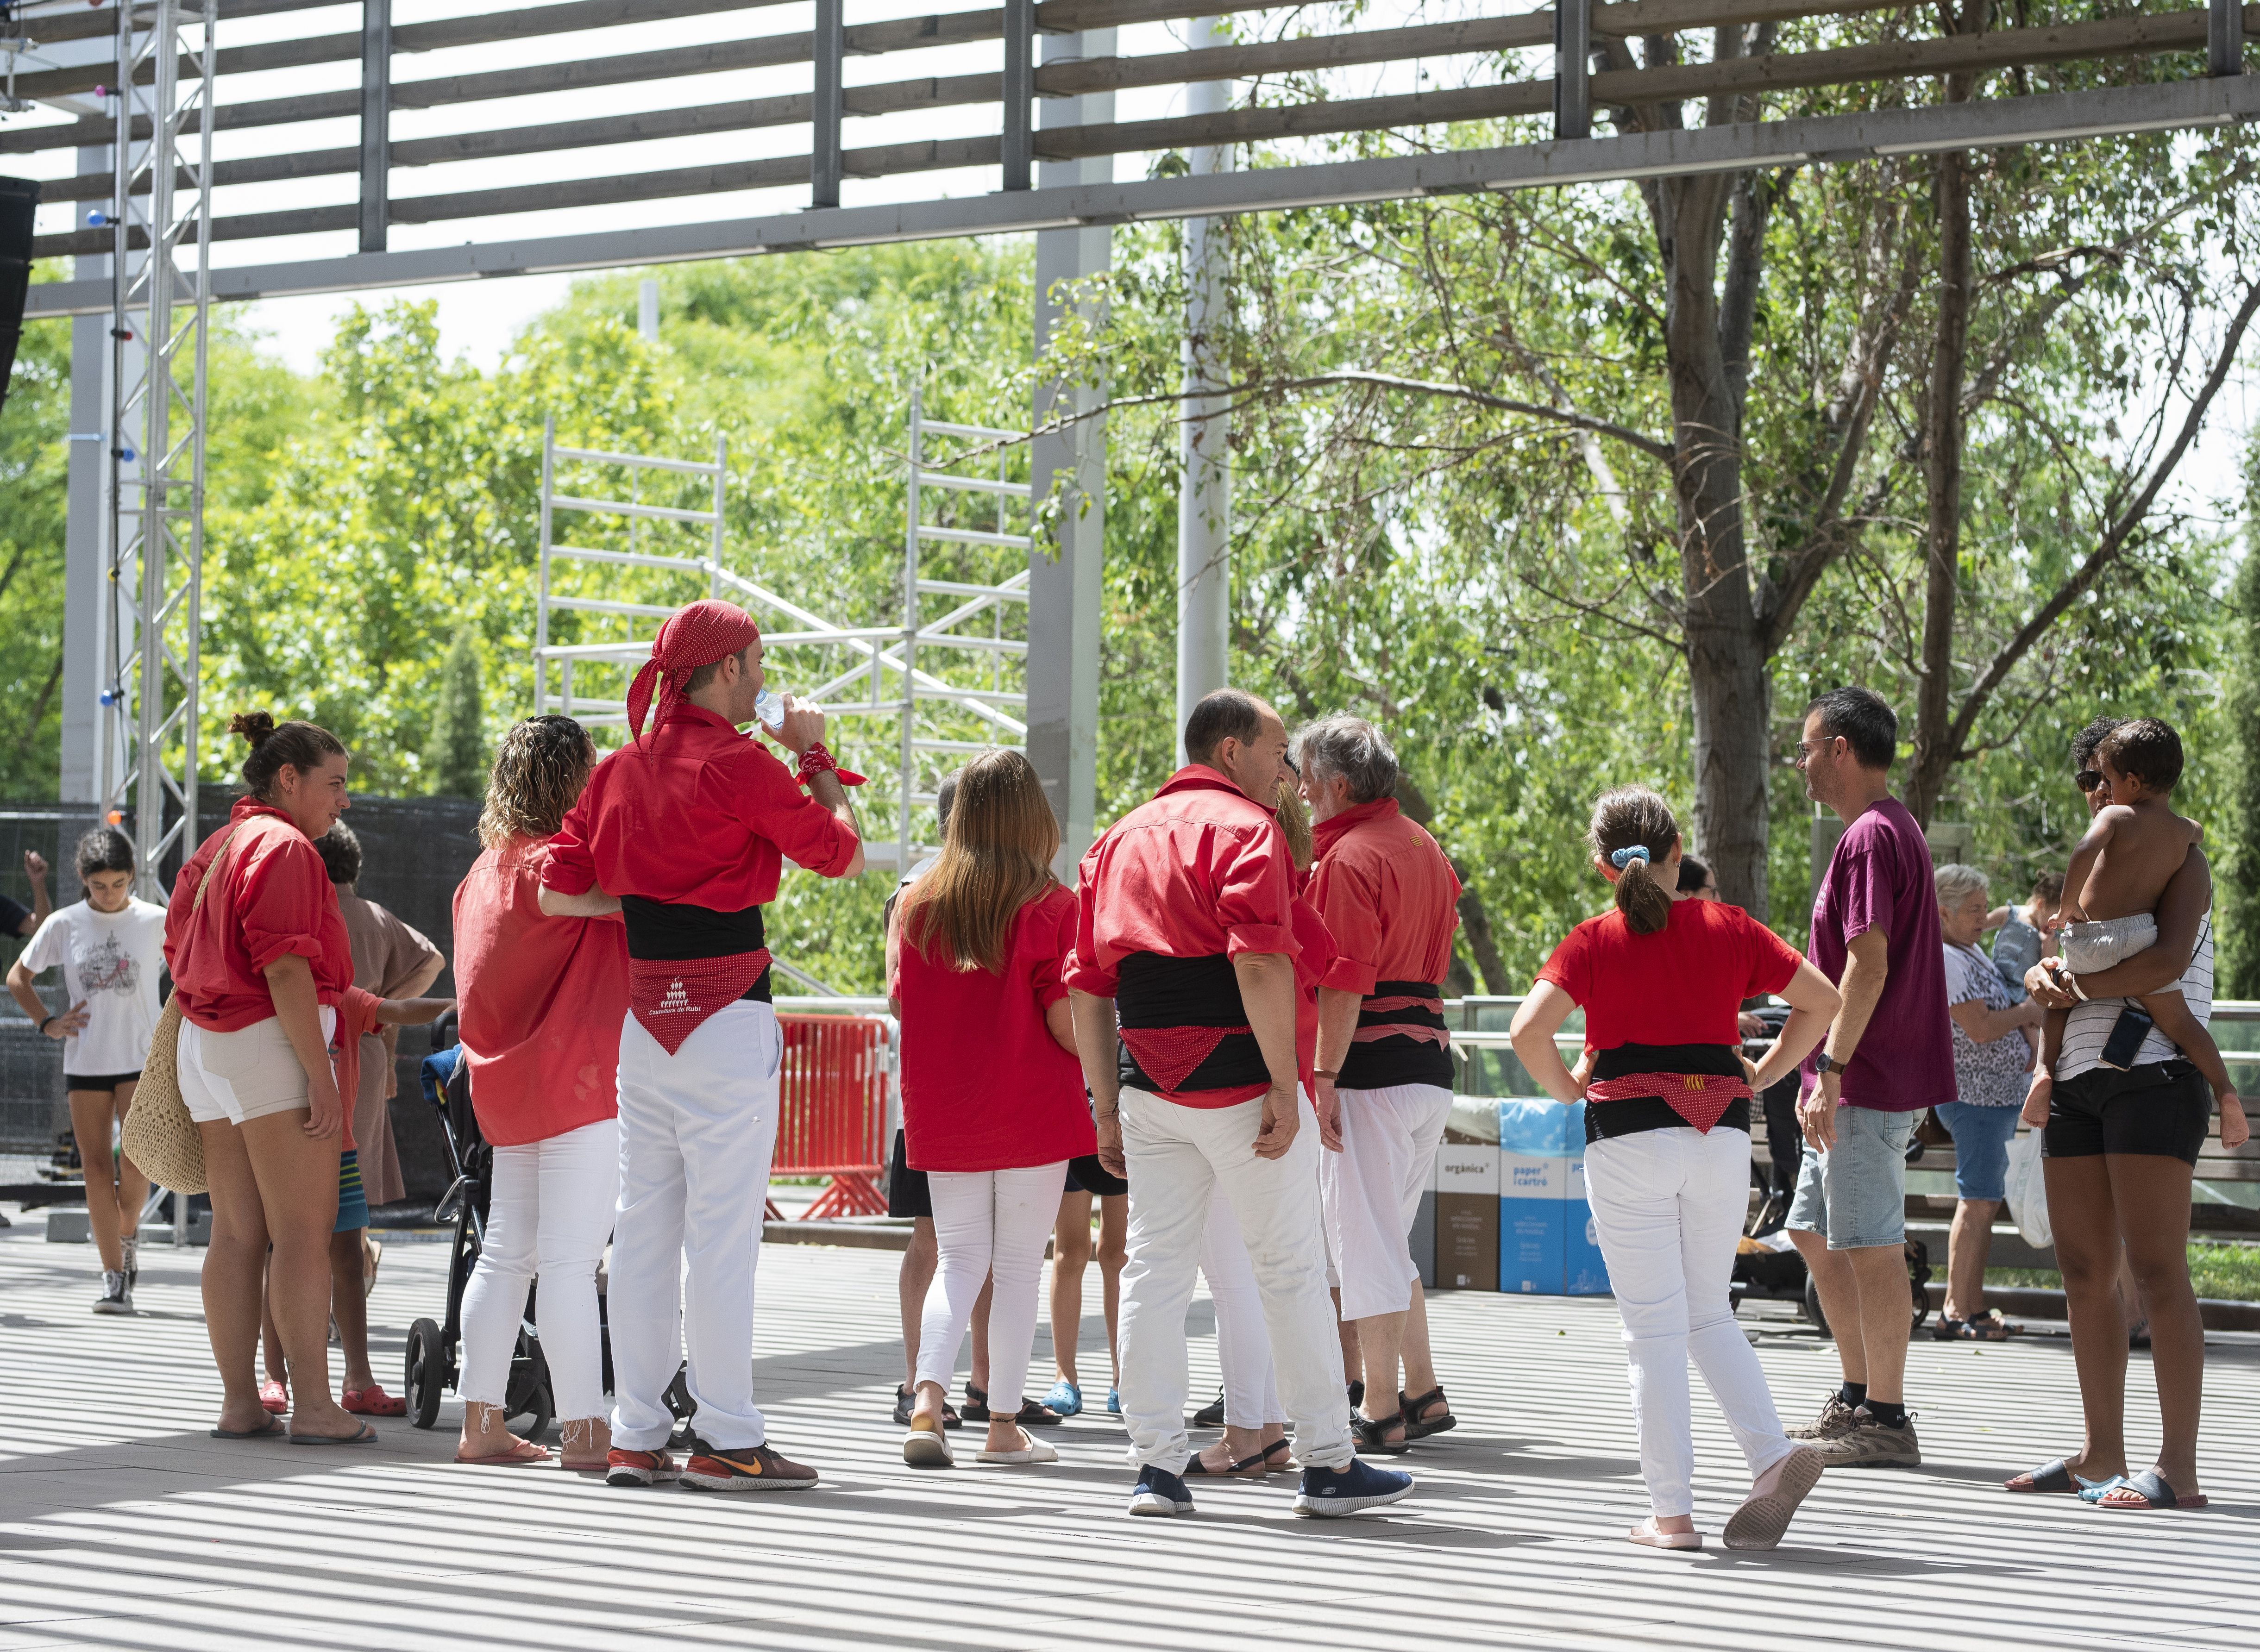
[(1372, 1188), (1667, 1208), (696, 1132), (1243, 1349), (550, 1214), (985, 1223), (1178, 1157)]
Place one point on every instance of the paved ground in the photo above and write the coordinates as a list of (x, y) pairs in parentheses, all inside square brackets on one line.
[(122, 1525)]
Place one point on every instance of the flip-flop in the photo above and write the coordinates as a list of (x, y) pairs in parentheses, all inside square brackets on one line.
[(1647, 1536), (2048, 1477), (522, 1454), (2151, 1487), (1990, 1328), (273, 1427), (367, 1436), (2092, 1491)]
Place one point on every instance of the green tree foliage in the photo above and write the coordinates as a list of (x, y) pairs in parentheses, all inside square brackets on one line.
[(456, 761), (2238, 844), (33, 459)]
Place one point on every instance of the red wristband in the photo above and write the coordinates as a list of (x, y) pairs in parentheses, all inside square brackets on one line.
[(817, 760)]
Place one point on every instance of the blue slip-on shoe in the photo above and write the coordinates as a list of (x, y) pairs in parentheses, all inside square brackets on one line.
[(1361, 1485), (1161, 1493), (1114, 1402), (1065, 1399)]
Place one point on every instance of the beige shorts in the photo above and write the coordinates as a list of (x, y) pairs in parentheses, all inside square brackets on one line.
[(233, 1077)]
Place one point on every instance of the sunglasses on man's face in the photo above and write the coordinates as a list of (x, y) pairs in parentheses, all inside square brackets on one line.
[(2088, 779)]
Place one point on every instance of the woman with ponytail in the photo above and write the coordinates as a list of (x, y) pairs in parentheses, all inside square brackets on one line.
[(261, 962), (1661, 979)]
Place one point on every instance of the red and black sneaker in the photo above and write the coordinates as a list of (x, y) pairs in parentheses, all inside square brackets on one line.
[(638, 1468), (744, 1468)]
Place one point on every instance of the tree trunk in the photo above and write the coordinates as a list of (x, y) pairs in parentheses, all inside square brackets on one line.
[(1475, 917), (1936, 742), (1726, 656)]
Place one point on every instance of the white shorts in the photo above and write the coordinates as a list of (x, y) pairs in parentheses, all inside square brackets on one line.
[(233, 1077), (1372, 1190), (2090, 948)]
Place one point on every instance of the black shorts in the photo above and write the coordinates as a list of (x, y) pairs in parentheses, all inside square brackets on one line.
[(907, 1192), (100, 1081), (2161, 1109), (1086, 1174)]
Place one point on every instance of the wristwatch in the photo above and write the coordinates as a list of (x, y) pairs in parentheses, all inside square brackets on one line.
[(1823, 1064)]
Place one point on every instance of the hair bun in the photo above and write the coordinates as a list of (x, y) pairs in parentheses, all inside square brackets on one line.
[(252, 725)]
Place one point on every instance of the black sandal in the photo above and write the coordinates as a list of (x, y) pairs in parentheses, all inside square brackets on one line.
[(1034, 1413), (1372, 1434), (2050, 1477), (1420, 1427), (1278, 1448), (1195, 1468), (1986, 1327)]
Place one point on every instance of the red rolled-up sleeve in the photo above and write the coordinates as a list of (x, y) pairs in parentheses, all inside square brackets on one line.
[(1352, 910), (1255, 893), (567, 863), (282, 901), (1084, 972), (1051, 941), (771, 802)]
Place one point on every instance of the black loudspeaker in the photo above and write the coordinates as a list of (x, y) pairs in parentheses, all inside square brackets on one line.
[(19, 198)]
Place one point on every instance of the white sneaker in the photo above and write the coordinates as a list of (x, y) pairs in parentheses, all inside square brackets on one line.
[(132, 1246), (116, 1294)]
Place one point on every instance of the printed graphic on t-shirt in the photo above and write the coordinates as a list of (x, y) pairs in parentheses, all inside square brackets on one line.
[(107, 967)]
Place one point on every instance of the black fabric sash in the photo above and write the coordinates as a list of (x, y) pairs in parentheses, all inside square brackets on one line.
[(671, 930), (1379, 1063), (1155, 991), (1608, 1119)]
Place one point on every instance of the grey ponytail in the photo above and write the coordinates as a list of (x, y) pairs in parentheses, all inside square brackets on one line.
[(1632, 828)]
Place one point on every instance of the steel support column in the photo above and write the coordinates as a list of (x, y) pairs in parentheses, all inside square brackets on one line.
[(828, 104), (1065, 582), (1204, 483), (375, 123), (86, 542), (1017, 150), (2224, 38), (1573, 67)]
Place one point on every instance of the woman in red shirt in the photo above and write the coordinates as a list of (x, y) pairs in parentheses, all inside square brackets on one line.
[(1668, 1147), (259, 965), (993, 1104), (542, 1000)]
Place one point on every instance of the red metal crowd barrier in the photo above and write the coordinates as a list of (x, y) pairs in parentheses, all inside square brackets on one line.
[(832, 1110)]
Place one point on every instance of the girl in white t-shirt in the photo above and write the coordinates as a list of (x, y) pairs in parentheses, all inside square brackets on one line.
[(110, 948)]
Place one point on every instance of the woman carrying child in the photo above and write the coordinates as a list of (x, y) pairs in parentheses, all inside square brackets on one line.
[(993, 1103)]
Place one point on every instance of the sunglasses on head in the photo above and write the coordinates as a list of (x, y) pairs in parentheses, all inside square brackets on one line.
[(2088, 779)]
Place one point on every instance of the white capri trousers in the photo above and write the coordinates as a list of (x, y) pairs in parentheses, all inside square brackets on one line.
[(989, 1223), (550, 1214), (1372, 1191), (697, 1129), (1178, 1157), (1668, 1208), (1243, 1348)]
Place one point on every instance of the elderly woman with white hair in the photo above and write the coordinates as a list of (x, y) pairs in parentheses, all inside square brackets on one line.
[(1994, 1037)]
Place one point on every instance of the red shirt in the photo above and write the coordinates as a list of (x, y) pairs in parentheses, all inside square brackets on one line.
[(985, 1085), (1389, 898), (1312, 963), (272, 898), (356, 1020), (541, 1001), (700, 816), (1683, 985), (1197, 871)]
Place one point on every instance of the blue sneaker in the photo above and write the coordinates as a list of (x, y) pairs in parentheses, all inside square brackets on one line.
[(1114, 1402), (1360, 1486), (1161, 1493), (1065, 1399)]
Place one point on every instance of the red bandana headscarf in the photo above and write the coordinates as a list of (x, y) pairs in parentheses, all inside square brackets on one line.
[(699, 634)]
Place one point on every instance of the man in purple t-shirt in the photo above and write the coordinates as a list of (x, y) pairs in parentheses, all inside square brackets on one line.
[(1889, 1055)]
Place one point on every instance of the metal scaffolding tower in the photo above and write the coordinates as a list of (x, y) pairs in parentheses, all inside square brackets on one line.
[(160, 218), (892, 716)]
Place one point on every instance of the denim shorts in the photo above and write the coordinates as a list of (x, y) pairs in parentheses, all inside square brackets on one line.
[(1981, 1148), (1856, 1193)]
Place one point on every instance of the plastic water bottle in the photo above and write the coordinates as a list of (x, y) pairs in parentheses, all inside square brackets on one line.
[(769, 709)]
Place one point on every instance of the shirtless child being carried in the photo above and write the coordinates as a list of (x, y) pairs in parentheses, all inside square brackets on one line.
[(2110, 890)]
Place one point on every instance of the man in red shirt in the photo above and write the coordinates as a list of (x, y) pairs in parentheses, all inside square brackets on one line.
[(1390, 900), (682, 832), (1183, 993)]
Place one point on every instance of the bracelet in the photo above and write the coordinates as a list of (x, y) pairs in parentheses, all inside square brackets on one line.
[(2072, 981), (817, 760), (1320, 1072), (49, 1022)]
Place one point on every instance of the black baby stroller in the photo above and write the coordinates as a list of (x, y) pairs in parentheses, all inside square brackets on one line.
[(432, 1367)]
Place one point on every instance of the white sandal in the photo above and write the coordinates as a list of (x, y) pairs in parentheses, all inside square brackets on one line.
[(1766, 1512), (1647, 1534), (1034, 1451), (926, 1447)]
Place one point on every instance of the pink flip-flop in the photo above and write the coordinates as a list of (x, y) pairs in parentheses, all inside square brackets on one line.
[(522, 1454), (274, 1397), (1646, 1534)]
